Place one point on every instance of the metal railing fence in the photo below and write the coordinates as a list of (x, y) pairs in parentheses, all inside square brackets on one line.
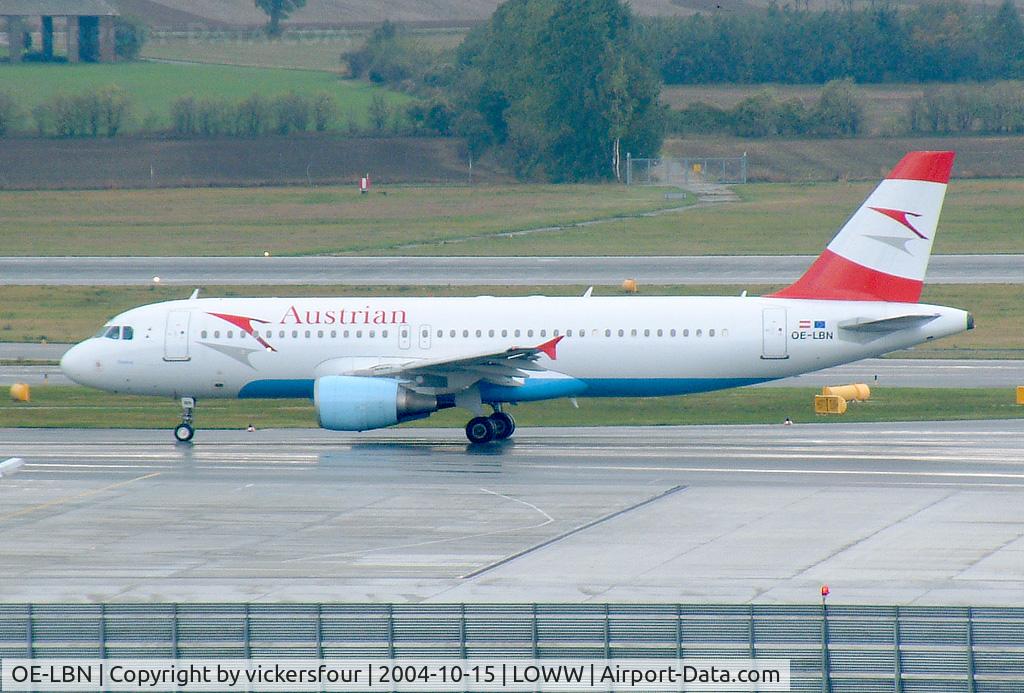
[(841, 648), (686, 171)]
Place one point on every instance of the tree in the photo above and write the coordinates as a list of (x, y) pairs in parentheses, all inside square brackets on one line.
[(129, 37), (1003, 50), (277, 10), (564, 86), (9, 114), (839, 111)]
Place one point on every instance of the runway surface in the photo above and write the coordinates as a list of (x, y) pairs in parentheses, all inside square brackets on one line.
[(464, 271), (876, 372), (924, 513)]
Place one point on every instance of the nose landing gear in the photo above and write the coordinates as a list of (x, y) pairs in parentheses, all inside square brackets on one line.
[(484, 429), (184, 431)]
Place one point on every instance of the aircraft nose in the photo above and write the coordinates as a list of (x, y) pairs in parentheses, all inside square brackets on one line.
[(75, 363)]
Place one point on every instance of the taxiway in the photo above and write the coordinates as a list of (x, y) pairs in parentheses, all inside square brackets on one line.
[(738, 270), (925, 513)]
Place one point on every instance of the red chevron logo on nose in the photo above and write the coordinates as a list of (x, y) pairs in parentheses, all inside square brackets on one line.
[(901, 217), (245, 324)]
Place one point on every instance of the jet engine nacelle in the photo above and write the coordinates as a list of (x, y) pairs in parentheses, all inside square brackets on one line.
[(357, 403)]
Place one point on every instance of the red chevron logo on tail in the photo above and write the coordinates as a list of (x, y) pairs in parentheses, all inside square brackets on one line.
[(901, 217)]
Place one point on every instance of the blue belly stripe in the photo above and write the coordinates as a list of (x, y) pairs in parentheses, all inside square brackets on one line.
[(277, 389)]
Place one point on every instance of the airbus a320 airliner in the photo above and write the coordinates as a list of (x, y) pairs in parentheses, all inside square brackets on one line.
[(371, 363)]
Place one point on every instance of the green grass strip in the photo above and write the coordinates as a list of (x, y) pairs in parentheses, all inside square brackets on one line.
[(79, 407)]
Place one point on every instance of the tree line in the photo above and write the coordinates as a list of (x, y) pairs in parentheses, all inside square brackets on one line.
[(838, 113), (935, 41), (989, 109), (108, 112)]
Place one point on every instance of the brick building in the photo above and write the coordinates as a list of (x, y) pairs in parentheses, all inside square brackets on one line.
[(86, 28)]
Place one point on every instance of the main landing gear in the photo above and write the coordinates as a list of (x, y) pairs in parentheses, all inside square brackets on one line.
[(184, 431), (484, 429)]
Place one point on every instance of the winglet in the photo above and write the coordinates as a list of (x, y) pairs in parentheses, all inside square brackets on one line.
[(548, 347)]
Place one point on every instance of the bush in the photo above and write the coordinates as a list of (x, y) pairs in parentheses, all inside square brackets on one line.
[(380, 112), (757, 115), (433, 117), (252, 116), (324, 110), (129, 36), (213, 117), (184, 120), (42, 115), (700, 117), (291, 112), (10, 117), (839, 111), (114, 106), (79, 115)]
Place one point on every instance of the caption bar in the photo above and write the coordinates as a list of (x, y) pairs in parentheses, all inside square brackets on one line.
[(313, 675)]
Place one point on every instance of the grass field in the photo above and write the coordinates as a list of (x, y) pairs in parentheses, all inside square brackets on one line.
[(318, 50), (70, 314), (295, 221), (980, 216), (78, 407), (153, 87)]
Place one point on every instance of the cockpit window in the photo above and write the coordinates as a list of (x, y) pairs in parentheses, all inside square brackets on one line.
[(116, 332)]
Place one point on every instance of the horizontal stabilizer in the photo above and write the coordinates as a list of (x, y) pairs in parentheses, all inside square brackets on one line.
[(893, 324)]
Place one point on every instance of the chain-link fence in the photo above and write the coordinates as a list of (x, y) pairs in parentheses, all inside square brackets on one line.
[(686, 171), (843, 648)]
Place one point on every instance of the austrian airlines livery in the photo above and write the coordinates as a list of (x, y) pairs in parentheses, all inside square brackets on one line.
[(370, 363)]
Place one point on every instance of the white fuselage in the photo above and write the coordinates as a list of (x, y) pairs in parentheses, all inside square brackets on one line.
[(619, 346)]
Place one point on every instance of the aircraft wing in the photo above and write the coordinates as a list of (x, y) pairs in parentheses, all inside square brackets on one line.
[(451, 374), (897, 322)]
